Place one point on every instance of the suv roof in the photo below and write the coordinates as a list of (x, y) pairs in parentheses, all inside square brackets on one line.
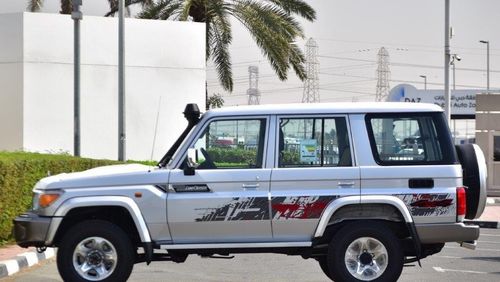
[(298, 108)]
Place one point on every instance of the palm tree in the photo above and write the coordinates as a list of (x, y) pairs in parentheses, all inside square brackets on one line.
[(270, 22)]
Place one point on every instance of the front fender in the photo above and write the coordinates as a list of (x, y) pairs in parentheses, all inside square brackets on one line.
[(357, 200), (80, 202)]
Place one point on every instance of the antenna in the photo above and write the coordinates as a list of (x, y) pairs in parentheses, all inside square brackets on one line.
[(383, 75), (311, 85), (253, 89)]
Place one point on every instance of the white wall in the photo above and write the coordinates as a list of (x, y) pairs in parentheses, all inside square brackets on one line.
[(163, 59), (11, 70)]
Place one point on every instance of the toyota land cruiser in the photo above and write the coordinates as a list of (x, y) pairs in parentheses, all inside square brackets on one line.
[(361, 188)]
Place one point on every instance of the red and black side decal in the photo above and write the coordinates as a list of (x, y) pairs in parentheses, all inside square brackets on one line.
[(299, 207), (255, 208), (429, 204)]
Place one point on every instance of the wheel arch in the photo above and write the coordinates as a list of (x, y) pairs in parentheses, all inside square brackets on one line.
[(79, 203), (334, 211)]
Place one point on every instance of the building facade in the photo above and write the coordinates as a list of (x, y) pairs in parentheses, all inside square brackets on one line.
[(165, 69)]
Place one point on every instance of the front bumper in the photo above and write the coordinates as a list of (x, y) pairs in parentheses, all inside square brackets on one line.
[(31, 230), (447, 232)]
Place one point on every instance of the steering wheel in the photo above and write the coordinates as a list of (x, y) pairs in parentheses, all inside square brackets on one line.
[(208, 163)]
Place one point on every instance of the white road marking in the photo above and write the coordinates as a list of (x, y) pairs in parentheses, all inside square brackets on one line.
[(442, 270), (489, 242), (490, 235), (450, 257), (477, 249)]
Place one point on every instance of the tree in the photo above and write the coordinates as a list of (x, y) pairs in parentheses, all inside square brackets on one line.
[(270, 22), (215, 101)]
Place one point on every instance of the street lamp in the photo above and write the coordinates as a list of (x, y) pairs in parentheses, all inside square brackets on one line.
[(452, 62), (487, 64), (76, 15), (458, 59), (121, 82), (425, 81)]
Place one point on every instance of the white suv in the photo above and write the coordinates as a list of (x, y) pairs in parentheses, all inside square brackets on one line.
[(361, 188)]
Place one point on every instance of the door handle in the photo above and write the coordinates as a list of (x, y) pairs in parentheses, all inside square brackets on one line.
[(250, 186), (346, 183)]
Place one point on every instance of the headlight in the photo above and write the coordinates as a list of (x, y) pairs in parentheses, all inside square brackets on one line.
[(44, 199)]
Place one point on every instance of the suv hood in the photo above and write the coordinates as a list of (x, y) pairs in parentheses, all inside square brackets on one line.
[(114, 175)]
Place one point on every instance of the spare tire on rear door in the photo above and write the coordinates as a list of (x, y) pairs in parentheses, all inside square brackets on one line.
[(474, 178)]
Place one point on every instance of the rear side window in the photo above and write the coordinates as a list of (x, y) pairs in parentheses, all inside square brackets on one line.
[(410, 139), (314, 142)]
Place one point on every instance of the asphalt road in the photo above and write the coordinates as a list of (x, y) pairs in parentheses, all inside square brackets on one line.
[(452, 264)]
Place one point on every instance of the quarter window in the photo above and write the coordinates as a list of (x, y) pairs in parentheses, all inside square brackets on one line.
[(313, 142), (410, 138), (231, 144)]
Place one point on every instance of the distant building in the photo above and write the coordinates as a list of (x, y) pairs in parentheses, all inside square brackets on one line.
[(488, 137), (165, 69), (466, 104)]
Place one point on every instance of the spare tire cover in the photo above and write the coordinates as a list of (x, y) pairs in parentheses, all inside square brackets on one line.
[(474, 178)]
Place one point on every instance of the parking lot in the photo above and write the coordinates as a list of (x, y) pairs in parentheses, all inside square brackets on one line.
[(452, 264)]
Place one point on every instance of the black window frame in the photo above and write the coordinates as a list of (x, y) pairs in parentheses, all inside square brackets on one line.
[(442, 130)]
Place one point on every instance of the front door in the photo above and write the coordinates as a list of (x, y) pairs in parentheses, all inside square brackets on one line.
[(226, 200)]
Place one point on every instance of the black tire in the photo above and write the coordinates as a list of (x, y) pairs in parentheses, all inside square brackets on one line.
[(474, 178), (125, 253), (362, 229), (323, 264)]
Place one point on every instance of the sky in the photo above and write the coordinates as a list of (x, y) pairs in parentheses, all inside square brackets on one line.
[(349, 34)]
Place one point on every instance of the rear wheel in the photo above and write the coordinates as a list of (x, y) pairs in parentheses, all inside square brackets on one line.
[(95, 250), (365, 251)]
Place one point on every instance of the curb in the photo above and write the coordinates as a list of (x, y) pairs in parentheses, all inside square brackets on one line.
[(484, 224), (24, 260)]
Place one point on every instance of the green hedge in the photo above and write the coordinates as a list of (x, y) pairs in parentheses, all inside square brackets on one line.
[(20, 171), (233, 155)]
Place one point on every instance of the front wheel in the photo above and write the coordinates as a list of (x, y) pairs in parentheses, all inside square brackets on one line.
[(365, 251), (95, 250)]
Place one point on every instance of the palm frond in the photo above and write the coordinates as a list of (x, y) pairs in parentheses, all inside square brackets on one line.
[(34, 5), (113, 6), (298, 7), (297, 60), (161, 10), (273, 30), (184, 15), (219, 41)]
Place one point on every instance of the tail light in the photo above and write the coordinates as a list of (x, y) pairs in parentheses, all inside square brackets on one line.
[(461, 204)]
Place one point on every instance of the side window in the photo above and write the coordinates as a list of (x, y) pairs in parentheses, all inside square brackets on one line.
[(313, 142), (231, 144), (406, 138)]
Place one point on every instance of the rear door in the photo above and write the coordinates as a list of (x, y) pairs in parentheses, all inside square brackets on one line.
[(226, 200), (411, 156), (314, 165)]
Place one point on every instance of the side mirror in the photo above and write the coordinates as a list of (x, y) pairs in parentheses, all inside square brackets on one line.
[(192, 161)]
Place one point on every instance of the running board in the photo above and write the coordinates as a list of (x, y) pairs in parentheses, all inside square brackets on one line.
[(236, 245)]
